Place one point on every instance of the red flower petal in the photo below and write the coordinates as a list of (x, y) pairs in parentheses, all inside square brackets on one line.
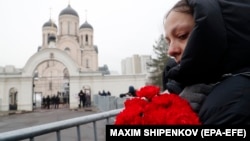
[(165, 109), (148, 91)]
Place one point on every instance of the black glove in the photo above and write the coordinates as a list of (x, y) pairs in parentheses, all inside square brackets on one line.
[(196, 94)]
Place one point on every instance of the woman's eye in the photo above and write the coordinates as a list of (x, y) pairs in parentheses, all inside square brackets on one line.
[(183, 36)]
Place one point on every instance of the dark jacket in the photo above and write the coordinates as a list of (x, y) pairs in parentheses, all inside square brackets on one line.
[(219, 44), (169, 84)]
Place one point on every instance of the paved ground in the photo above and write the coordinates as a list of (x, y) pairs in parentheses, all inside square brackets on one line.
[(41, 116)]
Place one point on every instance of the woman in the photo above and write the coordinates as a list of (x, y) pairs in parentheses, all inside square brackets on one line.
[(210, 41)]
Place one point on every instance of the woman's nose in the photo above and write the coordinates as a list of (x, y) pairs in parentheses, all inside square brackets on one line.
[(174, 50)]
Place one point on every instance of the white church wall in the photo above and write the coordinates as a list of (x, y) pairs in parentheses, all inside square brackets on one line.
[(23, 81), (116, 84), (3, 95), (6, 83), (25, 99), (74, 90)]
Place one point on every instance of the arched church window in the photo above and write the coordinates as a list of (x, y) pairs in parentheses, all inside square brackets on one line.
[(87, 63), (67, 49), (13, 96), (86, 39), (65, 74), (48, 37)]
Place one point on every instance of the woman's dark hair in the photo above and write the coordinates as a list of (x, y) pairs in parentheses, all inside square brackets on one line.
[(181, 6)]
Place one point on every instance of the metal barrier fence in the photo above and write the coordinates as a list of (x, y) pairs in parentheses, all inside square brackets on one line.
[(32, 132)]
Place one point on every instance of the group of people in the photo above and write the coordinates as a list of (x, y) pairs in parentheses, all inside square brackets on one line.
[(104, 93), (84, 99), (209, 41), (51, 102)]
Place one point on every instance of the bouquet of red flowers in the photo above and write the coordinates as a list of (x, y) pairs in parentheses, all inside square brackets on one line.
[(150, 107)]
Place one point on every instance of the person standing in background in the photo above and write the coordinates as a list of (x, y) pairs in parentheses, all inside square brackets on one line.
[(82, 97)]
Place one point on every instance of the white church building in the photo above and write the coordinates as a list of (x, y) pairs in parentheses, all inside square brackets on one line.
[(65, 63)]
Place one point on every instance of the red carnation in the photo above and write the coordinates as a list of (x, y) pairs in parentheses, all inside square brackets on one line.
[(148, 92), (133, 112), (135, 101), (158, 109)]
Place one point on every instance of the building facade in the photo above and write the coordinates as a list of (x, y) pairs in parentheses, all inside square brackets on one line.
[(52, 77), (136, 64), (65, 63)]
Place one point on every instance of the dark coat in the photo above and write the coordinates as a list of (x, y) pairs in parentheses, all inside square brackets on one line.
[(228, 102), (168, 84), (82, 95), (219, 45)]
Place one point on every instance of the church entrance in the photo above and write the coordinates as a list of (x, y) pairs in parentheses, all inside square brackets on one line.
[(51, 82), (13, 99)]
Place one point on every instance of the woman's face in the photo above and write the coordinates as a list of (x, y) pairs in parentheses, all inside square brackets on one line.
[(178, 27)]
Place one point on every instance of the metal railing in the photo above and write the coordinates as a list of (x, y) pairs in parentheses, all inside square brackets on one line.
[(32, 132)]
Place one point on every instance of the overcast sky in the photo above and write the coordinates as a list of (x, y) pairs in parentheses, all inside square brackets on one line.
[(122, 28)]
